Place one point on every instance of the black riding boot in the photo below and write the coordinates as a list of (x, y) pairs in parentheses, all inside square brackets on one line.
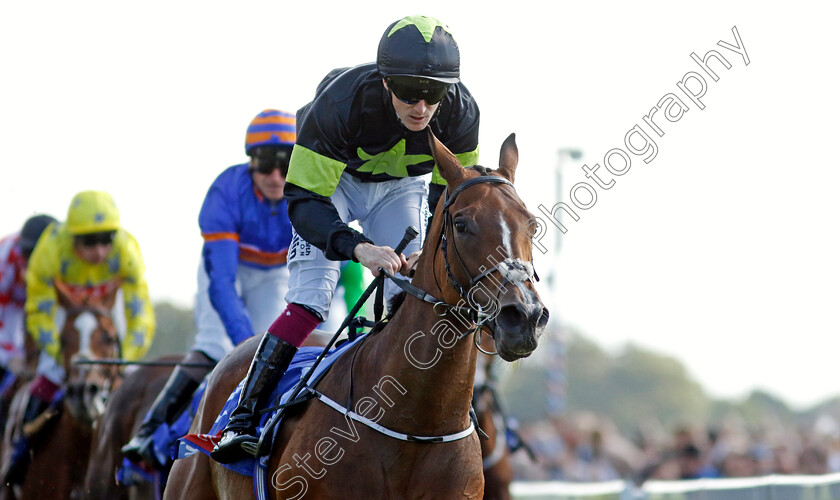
[(19, 462), (270, 363), (171, 402)]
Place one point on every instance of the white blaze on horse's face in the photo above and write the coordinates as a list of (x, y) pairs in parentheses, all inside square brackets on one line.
[(85, 325), (505, 234), (514, 270)]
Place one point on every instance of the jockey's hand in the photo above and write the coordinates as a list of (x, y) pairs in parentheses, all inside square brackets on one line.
[(411, 263), (373, 257)]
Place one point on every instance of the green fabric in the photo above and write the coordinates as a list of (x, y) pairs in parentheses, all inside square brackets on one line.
[(314, 172), (393, 162), (353, 281), (426, 26)]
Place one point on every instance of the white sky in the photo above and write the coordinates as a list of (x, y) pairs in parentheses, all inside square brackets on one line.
[(722, 251)]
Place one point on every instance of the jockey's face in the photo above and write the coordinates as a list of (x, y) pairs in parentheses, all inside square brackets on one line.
[(92, 251), (416, 116), (270, 185)]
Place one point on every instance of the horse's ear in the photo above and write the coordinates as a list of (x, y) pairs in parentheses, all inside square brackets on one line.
[(448, 165), (509, 158)]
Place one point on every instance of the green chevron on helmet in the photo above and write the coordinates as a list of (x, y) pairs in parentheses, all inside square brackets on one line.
[(419, 46)]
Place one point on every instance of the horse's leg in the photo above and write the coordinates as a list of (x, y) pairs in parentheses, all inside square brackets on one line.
[(499, 474), (126, 408), (190, 479), (198, 478), (13, 422), (59, 461), (105, 456), (229, 485)]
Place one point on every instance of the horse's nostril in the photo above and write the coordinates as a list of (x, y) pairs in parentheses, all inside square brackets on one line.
[(542, 321), (510, 317)]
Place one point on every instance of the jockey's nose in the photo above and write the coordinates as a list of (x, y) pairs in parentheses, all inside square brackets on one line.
[(421, 106), (101, 252)]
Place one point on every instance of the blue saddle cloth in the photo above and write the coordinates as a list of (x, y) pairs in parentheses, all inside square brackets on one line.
[(165, 439), (301, 364)]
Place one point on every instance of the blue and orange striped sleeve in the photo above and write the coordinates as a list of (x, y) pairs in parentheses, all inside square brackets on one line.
[(219, 221)]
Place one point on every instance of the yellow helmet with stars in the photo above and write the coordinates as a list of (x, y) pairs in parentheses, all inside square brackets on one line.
[(92, 212)]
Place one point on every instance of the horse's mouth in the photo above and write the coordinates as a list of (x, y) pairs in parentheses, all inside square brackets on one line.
[(522, 349)]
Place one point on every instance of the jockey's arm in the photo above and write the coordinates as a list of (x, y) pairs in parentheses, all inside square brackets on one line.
[(316, 220), (312, 179), (139, 313), (221, 259), (219, 222), (41, 298)]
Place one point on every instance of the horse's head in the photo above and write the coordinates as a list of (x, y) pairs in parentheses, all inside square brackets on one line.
[(481, 257), (88, 334)]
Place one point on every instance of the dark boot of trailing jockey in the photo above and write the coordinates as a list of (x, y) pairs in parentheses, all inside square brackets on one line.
[(169, 404), (19, 462), (269, 364)]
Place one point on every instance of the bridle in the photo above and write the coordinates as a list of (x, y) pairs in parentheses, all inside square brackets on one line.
[(91, 396), (511, 270)]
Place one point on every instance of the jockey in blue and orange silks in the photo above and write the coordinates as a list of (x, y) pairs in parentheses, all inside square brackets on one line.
[(242, 278)]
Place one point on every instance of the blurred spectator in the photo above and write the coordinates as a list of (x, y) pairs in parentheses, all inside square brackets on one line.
[(587, 448)]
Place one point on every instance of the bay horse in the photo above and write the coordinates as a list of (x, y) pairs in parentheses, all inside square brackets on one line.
[(62, 439), (413, 379), (27, 373), (126, 408)]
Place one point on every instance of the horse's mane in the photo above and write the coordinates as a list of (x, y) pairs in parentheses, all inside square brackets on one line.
[(398, 299), (481, 170), (393, 305)]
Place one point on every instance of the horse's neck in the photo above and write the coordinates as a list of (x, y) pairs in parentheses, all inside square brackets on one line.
[(418, 364)]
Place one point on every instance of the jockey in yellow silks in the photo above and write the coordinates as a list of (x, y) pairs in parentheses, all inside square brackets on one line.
[(92, 257), (57, 256)]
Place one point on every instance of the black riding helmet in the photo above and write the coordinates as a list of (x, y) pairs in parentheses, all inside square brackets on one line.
[(419, 46), (32, 229)]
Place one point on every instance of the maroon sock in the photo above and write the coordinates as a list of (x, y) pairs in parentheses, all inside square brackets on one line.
[(43, 388), (294, 325)]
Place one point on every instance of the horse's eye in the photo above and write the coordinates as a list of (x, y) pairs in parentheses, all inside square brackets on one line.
[(460, 226)]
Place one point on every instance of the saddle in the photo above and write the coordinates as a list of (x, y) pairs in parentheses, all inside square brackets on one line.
[(279, 402)]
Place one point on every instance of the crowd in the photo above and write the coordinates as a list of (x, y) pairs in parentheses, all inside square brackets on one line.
[(589, 448)]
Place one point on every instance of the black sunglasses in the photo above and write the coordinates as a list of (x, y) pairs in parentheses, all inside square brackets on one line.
[(411, 90), (266, 161), (93, 239)]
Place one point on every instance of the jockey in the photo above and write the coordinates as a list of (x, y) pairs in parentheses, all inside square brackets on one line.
[(243, 276), (93, 256), (360, 154), (15, 250)]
